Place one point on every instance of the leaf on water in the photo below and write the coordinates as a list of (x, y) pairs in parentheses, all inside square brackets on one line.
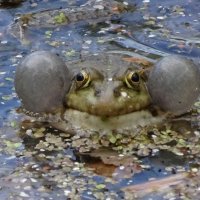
[(13, 145), (100, 186), (55, 43), (112, 138), (60, 19), (9, 79), (101, 169), (48, 34), (7, 97), (70, 53), (138, 61), (13, 124), (127, 171), (150, 22)]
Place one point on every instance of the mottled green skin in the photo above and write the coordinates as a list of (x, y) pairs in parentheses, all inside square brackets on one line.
[(107, 94), (106, 104)]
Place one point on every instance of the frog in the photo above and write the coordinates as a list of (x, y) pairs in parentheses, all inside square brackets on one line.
[(107, 94), (104, 93)]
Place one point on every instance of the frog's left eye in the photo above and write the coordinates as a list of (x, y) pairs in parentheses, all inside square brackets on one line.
[(132, 79), (82, 79)]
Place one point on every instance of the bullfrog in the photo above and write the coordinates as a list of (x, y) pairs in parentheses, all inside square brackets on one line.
[(102, 93)]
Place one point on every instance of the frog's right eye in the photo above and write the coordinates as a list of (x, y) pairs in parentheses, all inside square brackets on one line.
[(82, 79)]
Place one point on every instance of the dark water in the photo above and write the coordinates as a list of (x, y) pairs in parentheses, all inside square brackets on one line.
[(26, 173)]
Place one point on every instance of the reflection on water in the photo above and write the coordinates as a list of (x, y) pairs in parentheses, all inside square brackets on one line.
[(39, 162)]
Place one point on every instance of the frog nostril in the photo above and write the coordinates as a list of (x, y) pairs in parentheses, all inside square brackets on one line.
[(116, 92), (97, 93)]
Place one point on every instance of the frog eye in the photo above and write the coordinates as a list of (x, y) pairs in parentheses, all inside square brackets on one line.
[(82, 79), (132, 79)]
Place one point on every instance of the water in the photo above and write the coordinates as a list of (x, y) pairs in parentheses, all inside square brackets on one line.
[(39, 166)]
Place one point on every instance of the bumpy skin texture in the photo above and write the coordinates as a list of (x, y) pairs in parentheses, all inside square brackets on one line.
[(107, 93), (103, 86), (42, 81), (174, 84)]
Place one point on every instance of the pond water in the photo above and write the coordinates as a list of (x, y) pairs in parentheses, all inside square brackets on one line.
[(39, 162)]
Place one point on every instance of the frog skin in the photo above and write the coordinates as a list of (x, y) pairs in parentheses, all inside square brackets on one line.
[(105, 93)]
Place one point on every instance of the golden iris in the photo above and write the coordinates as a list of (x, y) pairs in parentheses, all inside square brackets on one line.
[(82, 79), (132, 79)]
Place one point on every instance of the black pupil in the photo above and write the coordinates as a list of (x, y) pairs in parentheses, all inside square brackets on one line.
[(135, 77), (79, 77)]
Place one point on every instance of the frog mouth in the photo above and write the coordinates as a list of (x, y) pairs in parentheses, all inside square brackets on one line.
[(109, 108), (105, 111)]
